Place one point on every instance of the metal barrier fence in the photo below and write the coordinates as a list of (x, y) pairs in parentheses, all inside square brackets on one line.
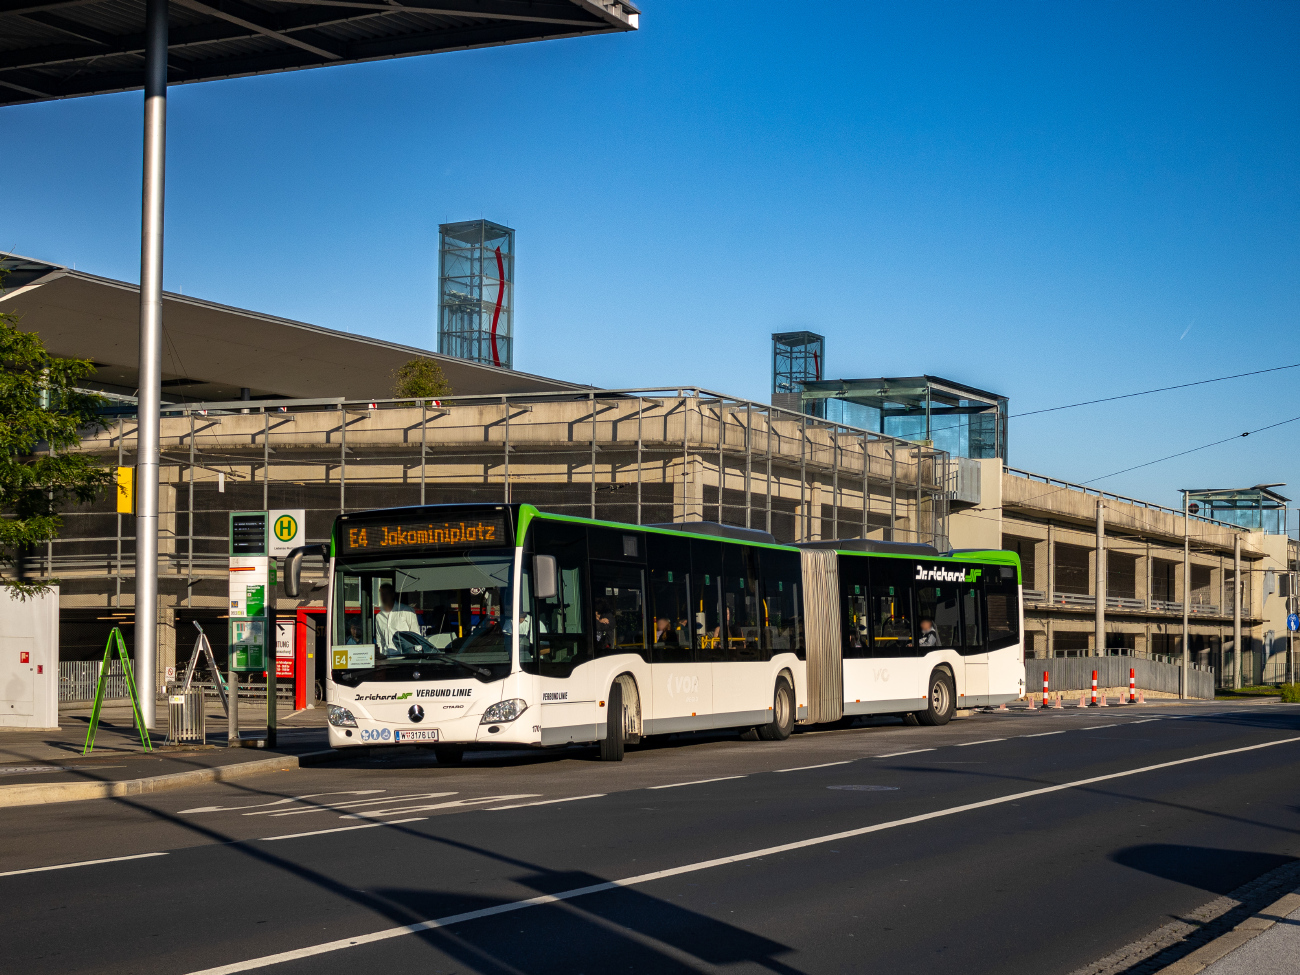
[(78, 678), (1075, 674)]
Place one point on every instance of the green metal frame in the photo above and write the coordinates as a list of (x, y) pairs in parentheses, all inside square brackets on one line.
[(115, 639)]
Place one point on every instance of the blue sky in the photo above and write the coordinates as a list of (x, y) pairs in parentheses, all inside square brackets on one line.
[(1055, 201)]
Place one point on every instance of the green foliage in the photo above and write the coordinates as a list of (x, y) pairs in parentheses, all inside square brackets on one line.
[(1290, 693), (42, 415), (421, 378)]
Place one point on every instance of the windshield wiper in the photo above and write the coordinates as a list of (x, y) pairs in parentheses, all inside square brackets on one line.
[(406, 636)]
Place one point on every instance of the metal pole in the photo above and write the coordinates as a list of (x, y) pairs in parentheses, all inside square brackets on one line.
[(424, 436), (640, 411), (1236, 610), (266, 459), (343, 458), (768, 451), (835, 482), (893, 490), (802, 532), (505, 403), (1100, 607), (593, 455), (189, 558), (121, 437), (150, 377), (1184, 683), (866, 488), (721, 470), (686, 455), (749, 457)]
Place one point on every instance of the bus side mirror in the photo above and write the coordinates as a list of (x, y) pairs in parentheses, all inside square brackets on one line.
[(293, 567), (544, 577)]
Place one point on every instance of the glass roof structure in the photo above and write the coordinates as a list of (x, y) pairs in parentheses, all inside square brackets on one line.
[(959, 419), (1258, 508)]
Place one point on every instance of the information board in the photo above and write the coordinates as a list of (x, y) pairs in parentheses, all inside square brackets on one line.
[(248, 533)]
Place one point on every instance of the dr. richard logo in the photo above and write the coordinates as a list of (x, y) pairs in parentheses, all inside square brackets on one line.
[(383, 697), (939, 573)]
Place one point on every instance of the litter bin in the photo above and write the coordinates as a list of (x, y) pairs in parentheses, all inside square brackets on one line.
[(185, 717)]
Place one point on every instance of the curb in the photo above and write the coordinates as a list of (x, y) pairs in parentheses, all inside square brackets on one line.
[(45, 792), (1252, 927)]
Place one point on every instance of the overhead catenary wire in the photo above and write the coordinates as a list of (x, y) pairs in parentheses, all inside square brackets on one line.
[(1144, 392)]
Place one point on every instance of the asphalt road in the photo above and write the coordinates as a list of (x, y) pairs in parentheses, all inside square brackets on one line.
[(1000, 843)]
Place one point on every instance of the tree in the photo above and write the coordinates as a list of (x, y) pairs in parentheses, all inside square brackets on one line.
[(421, 378), (42, 415)]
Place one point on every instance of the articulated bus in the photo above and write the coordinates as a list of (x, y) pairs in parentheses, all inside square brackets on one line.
[(467, 626)]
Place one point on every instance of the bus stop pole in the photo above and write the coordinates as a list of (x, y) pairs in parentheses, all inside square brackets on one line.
[(150, 378)]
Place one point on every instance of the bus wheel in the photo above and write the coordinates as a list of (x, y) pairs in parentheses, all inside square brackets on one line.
[(449, 754), (942, 700), (611, 746), (782, 723)]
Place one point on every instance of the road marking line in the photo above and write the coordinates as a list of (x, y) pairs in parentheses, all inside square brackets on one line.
[(914, 751), (986, 741), (451, 804), (387, 933), (336, 806), (82, 863), (338, 829), (1096, 726), (1043, 734), (547, 802), (1144, 721), (675, 785), (804, 768)]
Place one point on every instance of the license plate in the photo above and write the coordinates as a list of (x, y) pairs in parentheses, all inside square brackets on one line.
[(430, 734)]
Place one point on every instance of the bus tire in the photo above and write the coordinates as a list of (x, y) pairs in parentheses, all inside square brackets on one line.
[(611, 746), (941, 700), (449, 754), (782, 723)]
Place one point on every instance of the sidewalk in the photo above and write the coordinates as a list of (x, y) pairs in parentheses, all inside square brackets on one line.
[(1268, 943), (47, 766)]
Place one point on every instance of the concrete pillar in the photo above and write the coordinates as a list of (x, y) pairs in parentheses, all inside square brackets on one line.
[(1051, 563), (1236, 610), (1099, 556)]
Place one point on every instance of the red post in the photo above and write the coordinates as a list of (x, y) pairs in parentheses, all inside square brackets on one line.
[(1094, 689), (1132, 686), (1045, 703)]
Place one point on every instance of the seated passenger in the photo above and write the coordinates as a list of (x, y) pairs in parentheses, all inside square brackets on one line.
[(665, 633), (929, 636), (604, 626)]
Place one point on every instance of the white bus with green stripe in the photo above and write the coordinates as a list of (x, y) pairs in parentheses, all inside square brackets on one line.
[(503, 626)]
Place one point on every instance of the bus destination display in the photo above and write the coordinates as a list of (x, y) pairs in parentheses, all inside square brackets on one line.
[(449, 533)]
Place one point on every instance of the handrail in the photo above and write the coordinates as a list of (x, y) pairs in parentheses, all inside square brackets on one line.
[(1099, 493)]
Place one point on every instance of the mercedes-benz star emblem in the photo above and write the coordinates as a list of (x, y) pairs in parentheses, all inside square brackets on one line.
[(416, 713)]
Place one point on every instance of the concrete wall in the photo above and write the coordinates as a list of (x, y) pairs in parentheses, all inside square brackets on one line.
[(1075, 674)]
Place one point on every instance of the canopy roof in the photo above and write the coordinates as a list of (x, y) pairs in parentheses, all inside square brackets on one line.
[(64, 48), (211, 351)]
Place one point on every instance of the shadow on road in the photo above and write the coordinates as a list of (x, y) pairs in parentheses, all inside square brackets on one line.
[(1218, 871)]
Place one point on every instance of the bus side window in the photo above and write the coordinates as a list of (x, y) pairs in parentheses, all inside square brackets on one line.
[(855, 606), (742, 635), (972, 615), (781, 575), (706, 600), (563, 640), (1002, 599), (671, 619), (618, 606), (892, 622)]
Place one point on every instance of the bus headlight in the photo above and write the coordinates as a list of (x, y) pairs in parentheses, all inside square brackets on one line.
[(340, 717), (504, 711)]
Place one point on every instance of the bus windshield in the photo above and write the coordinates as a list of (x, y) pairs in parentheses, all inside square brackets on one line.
[(426, 619)]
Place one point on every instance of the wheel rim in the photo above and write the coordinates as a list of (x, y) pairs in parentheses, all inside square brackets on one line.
[(782, 708), (939, 697)]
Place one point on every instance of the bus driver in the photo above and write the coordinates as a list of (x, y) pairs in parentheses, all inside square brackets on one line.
[(393, 617)]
